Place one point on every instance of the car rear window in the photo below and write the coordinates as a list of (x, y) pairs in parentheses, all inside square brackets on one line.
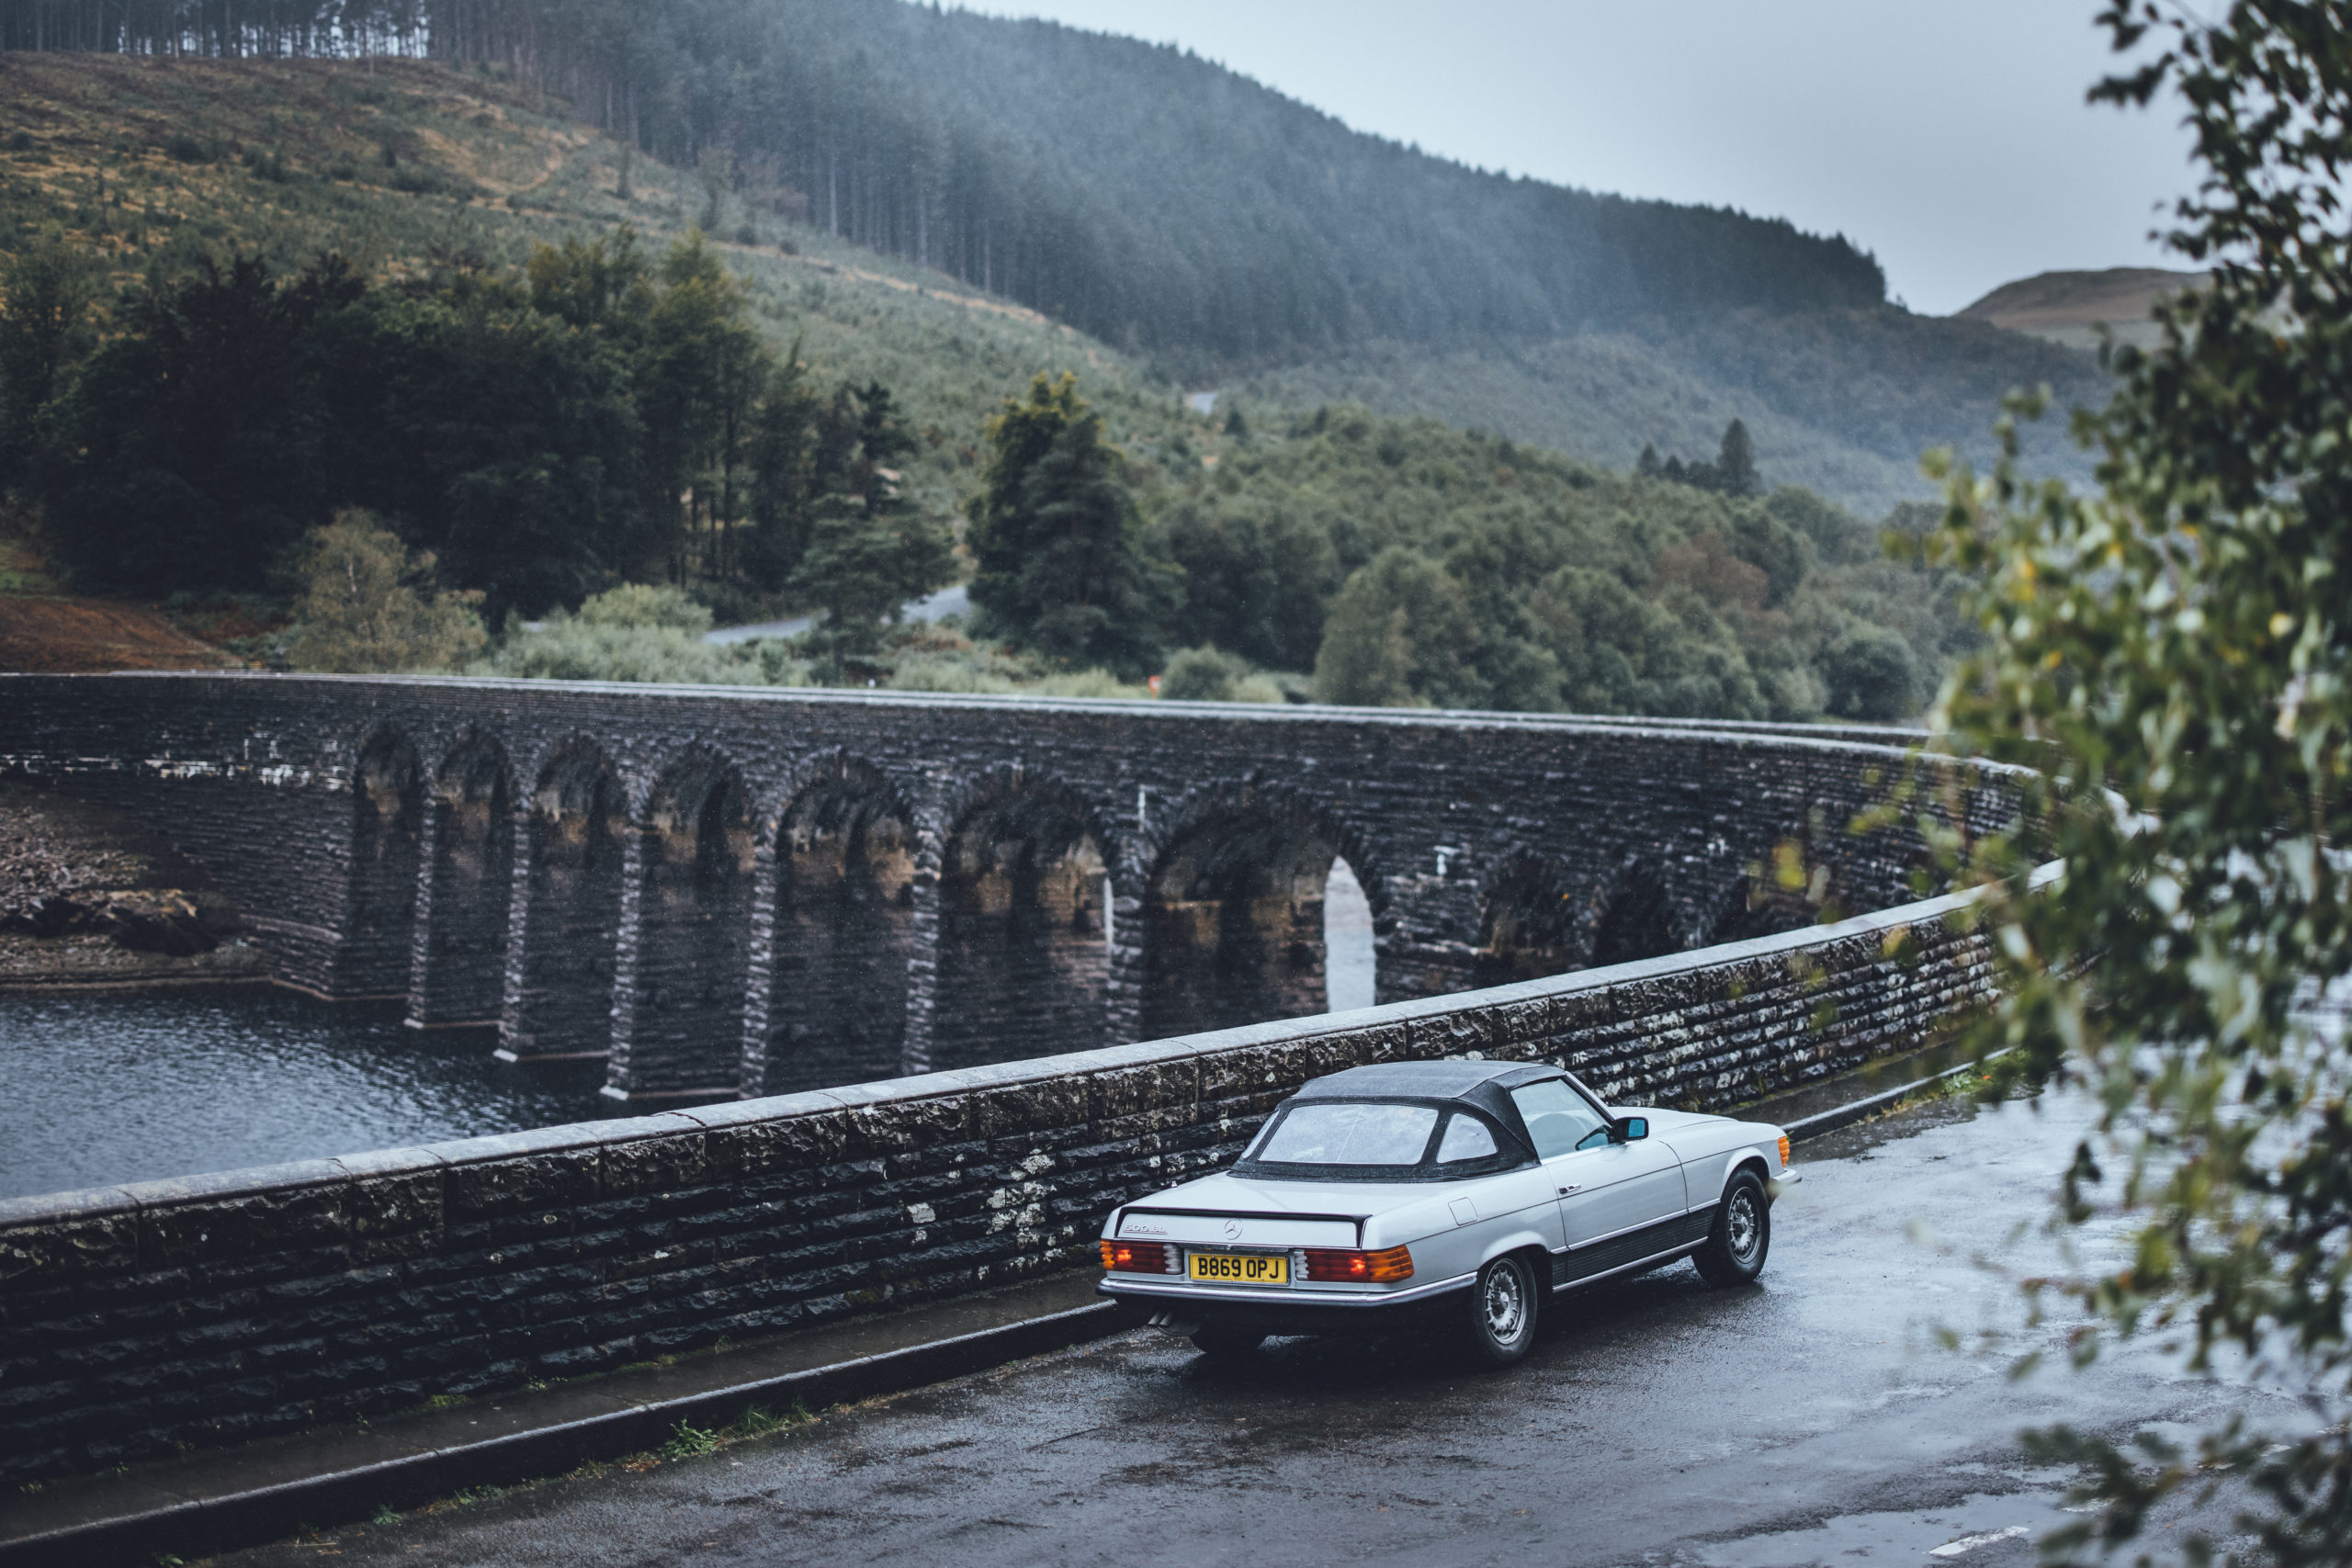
[(1341, 1132), (1467, 1138)]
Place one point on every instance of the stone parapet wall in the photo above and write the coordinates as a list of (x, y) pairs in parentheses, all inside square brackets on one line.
[(138, 1319)]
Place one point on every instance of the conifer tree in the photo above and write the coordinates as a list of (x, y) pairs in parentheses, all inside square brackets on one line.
[(1056, 538), (1735, 469), (870, 548)]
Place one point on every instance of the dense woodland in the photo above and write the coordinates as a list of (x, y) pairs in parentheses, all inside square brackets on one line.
[(1176, 210), (598, 416), (1404, 562), (529, 369), (606, 414), (1016, 157)]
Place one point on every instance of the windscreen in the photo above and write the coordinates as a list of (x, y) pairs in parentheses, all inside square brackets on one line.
[(1339, 1132)]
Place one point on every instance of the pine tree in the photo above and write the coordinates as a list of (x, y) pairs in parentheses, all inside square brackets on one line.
[(1648, 466), (870, 548), (1056, 538), (783, 479), (1734, 469)]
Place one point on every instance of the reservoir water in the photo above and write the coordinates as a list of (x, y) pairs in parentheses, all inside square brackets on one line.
[(98, 1090)]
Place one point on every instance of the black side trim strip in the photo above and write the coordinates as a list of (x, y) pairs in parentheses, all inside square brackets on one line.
[(1608, 1257)]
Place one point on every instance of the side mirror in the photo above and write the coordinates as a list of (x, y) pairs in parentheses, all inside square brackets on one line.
[(1626, 1129)]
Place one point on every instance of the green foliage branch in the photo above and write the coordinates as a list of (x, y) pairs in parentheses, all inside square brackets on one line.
[(2171, 650)]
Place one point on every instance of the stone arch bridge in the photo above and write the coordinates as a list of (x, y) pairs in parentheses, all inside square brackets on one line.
[(751, 892)]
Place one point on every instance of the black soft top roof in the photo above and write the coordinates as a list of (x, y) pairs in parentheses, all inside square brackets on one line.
[(1483, 1085)]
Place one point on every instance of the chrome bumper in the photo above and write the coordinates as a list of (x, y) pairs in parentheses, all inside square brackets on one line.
[(1781, 1182), (1173, 1292)]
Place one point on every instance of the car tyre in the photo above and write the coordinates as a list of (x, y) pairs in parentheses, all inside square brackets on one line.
[(1505, 1301), (1226, 1344), (1741, 1236)]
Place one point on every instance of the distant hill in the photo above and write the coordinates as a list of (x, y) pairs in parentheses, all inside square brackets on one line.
[(2067, 308), (1224, 235), (1528, 577), (156, 164)]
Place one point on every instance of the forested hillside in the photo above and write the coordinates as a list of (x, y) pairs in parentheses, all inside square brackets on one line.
[(1173, 209), (523, 355)]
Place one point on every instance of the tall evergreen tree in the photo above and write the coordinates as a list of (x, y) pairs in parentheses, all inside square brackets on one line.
[(1056, 538), (870, 548), (785, 482), (701, 369), (1735, 471)]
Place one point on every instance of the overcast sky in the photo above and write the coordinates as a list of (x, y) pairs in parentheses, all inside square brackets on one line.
[(1951, 138)]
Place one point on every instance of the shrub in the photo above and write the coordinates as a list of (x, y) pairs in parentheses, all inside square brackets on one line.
[(568, 648), (1088, 684), (366, 605), (932, 672), (645, 605), (1207, 675)]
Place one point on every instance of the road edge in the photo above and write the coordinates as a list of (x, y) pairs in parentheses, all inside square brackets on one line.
[(254, 1518)]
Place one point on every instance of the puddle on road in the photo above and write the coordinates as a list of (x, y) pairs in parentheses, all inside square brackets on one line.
[(1993, 1530)]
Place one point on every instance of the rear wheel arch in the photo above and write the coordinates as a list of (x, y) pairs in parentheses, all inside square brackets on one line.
[(1526, 1242)]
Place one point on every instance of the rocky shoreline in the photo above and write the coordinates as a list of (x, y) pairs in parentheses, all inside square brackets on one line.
[(90, 897)]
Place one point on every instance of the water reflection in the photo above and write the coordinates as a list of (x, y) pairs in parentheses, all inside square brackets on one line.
[(99, 1089), (96, 1089)]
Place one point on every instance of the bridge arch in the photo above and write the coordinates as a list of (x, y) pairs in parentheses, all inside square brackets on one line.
[(386, 835), (1633, 917), (1232, 907), (1019, 924), (567, 912), (458, 974), (679, 1000), (842, 852), (1530, 922)]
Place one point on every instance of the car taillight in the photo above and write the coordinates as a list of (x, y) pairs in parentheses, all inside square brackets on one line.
[(1785, 1151), (1138, 1258), (1383, 1268)]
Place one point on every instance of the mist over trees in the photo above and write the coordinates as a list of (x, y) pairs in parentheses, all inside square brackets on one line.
[(1016, 156)]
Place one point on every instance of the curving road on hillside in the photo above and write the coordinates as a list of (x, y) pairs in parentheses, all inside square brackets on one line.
[(1813, 1420)]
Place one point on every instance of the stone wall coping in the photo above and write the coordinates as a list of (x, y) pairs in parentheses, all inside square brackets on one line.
[(302, 1175), (1831, 737)]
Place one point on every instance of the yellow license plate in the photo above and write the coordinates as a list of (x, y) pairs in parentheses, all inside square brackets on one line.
[(1240, 1268)]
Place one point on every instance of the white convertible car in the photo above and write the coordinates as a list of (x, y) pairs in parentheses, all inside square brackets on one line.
[(1461, 1190)]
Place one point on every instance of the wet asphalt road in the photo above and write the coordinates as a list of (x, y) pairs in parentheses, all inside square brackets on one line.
[(1814, 1418)]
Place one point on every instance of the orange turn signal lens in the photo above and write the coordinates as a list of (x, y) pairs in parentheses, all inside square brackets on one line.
[(1136, 1257), (1785, 1151), (1384, 1267)]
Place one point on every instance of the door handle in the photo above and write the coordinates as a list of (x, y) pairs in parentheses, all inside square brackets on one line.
[(1565, 1190)]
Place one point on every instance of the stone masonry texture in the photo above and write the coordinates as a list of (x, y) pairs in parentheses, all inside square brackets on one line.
[(210, 1309)]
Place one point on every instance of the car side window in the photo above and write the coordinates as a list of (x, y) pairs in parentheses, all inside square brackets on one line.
[(1466, 1138), (1558, 1118)]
